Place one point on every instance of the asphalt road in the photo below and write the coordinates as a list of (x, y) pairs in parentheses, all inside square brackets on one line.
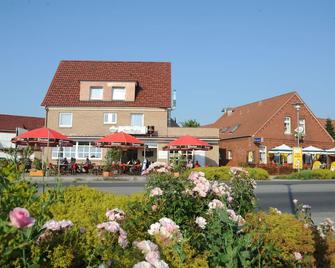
[(320, 195)]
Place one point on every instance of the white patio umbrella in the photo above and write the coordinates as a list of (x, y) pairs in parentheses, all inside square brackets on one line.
[(331, 151), (281, 149), (312, 150)]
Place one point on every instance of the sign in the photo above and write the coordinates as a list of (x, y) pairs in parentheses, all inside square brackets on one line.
[(258, 140), (297, 158), (129, 129)]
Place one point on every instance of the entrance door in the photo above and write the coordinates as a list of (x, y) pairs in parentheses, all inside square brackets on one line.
[(200, 156)]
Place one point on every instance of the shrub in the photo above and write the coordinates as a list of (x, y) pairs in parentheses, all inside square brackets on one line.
[(279, 236), (213, 173), (258, 173), (320, 174)]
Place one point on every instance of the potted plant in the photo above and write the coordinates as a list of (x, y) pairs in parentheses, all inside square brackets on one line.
[(110, 168), (36, 170)]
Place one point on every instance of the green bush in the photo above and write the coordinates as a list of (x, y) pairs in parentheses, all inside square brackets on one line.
[(258, 173), (278, 236), (320, 174), (213, 173)]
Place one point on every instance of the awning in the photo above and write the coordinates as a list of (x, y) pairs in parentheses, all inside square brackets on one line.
[(312, 150), (281, 149), (188, 143), (331, 151)]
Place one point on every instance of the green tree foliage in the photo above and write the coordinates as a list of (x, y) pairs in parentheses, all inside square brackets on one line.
[(330, 127), (190, 123)]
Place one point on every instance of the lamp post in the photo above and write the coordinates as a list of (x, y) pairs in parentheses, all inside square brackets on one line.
[(297, 107)]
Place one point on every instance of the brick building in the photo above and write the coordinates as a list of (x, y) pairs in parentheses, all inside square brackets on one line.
[(249, 132), (87, 100)]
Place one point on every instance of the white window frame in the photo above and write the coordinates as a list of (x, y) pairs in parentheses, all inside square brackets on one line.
[(303, 125), (97, 88), (59, 120), (287, 120), (110, 122), (263, 152), (117, 97), (131, 119), (74, 152), (229, 154)]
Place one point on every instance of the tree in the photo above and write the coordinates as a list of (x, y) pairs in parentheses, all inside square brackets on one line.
[(190, 123), (330, 128)]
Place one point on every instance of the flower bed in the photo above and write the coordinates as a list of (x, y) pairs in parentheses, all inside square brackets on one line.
[(178, 222)]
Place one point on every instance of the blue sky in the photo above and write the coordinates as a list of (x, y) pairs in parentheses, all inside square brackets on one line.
[(223, 53)]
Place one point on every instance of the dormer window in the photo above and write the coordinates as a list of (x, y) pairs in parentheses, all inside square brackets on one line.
[(96, 93), (118, 93)]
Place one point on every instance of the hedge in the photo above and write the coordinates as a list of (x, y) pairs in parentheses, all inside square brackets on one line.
[(320, 174)]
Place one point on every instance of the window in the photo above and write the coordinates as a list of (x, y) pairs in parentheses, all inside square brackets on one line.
[(119, 93), (110, 118), (96, 93), (262, 154), (229, 155), (81, 150), (137, 120), (287, 125), (302, 124), (65, 119)]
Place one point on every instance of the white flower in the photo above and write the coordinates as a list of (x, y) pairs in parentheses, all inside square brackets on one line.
[(65, 224), (146, 246), (295, 201), (154, 228), (201, 222), (297, 256), (57, 225), (143, 264)]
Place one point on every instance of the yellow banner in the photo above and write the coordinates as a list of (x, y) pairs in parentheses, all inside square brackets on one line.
[(297, 158)]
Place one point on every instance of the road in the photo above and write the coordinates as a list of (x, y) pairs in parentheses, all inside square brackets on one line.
[(320, 195)]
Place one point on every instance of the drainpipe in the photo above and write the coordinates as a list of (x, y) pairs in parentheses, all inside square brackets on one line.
[(46, 116)]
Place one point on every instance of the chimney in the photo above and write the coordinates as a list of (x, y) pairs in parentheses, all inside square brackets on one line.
[(228, 111)]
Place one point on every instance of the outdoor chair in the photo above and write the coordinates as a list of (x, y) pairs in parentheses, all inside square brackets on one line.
[(316, 165), (332, 166)]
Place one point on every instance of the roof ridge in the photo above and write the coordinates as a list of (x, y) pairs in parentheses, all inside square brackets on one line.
[(118, 61), (267, 99), (37, 117)]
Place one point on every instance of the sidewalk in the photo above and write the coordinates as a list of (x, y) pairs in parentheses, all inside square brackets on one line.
[(87, 178)]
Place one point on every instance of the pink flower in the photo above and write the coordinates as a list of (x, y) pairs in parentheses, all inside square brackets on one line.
[(122, 241), (154, 207), (214, 204), (143, 264), (297, 256), (57, 225), (20, 218), (156, 192), (146, 246), (152, 257), (115, 214)]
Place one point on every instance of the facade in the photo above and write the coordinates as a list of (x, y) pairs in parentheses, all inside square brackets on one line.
[(249, 132), (87, 100), (11, 125)]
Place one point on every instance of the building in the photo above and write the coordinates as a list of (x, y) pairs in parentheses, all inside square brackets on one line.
[(87, 100), (12, 125), (249, 132)]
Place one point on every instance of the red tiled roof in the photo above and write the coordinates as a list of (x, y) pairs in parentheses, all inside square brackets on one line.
[(246, 120), (153, 90), (9, 123)]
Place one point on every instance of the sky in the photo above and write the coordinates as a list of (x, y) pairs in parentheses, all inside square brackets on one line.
[(223, 53)]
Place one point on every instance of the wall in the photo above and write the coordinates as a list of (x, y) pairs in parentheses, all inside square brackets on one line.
[(89, 122)]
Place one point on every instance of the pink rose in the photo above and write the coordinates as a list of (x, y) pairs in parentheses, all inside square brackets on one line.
[(154, 207), (20, 218)]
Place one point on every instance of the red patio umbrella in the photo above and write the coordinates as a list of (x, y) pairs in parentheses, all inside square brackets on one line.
[(188, 143), (120, 140), (42, 137)]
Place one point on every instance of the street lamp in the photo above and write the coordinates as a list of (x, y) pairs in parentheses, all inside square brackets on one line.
[(297, 107)]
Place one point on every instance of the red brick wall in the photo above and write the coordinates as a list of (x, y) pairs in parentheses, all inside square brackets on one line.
[(273, 134)]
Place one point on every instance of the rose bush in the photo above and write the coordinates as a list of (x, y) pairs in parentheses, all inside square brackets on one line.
[(186, 221)]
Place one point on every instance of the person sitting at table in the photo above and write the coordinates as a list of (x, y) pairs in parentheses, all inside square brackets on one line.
[(87, 165), (196, 165)]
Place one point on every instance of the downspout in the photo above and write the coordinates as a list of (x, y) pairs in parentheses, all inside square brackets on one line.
[(46, 116)]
